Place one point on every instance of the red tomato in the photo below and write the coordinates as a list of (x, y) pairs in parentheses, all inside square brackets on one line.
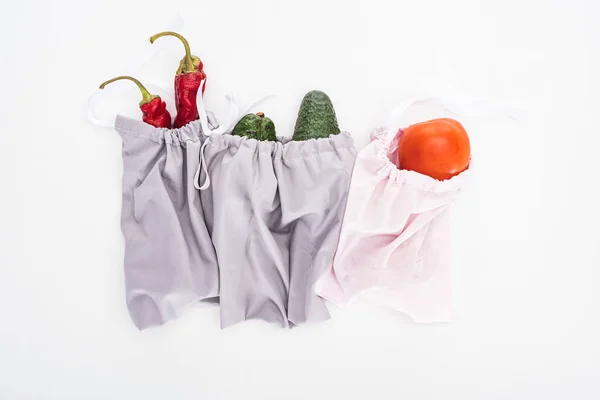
[(439, 148)]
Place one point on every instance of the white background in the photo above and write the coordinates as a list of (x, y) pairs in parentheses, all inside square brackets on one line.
[(526, 241)]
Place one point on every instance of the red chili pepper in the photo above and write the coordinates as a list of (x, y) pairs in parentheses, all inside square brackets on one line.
[(187, 82), (154, 110)]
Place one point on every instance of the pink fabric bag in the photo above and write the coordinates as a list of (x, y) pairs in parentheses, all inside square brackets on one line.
[(395, 240)]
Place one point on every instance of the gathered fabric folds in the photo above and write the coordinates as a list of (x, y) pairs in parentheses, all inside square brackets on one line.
[(274, 213), (170, 262), (395, 244)]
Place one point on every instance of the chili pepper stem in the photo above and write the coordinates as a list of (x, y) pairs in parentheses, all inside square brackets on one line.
[(189, 62), (146, 96)]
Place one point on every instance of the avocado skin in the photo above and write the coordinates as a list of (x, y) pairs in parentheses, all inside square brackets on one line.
[(255, 127), (316, 117)]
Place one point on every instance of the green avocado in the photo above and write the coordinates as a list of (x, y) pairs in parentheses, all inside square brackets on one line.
[(255, 126), (316, 117)]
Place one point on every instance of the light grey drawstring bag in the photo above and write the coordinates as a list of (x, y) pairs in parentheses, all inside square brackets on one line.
[(170, 262), (274, 211)]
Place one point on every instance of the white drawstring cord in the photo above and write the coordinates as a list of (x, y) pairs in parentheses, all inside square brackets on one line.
[(233, 117), (201, 166), (459, 105)]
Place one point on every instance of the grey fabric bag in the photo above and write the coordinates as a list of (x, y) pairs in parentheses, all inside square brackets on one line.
[(170, 262), (274, 211)]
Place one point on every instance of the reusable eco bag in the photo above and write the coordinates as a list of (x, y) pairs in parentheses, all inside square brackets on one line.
[(395, 245), (276, 212), (170, 262)]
